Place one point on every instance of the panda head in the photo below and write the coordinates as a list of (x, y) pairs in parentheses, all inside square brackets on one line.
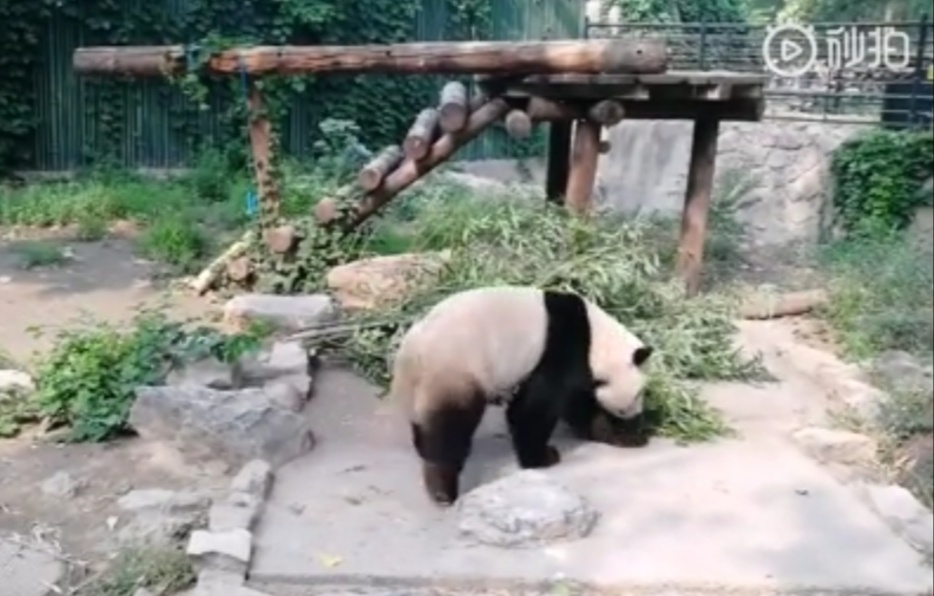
[(618, 363)]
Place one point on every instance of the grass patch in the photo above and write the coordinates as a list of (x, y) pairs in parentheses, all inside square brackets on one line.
[(504, 240), (177, 241), (32, 254), (882, 289), (161, 571)]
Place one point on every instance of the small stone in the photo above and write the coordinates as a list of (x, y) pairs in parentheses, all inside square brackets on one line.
[(226, 551), (254, 479), (524, 509), (225, 516), (15, 381), (904, 514), (287, 313), (62, 485), (836, 446), (207, 372), (163, 501)]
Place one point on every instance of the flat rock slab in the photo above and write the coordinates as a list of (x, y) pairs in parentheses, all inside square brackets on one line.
[(747, 515), (27, 571)]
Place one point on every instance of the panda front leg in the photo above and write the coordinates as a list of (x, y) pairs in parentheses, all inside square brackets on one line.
[(532, 416)]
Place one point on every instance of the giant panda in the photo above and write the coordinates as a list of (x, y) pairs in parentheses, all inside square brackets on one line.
[(549, 355)]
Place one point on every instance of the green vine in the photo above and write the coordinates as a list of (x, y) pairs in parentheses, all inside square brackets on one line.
[(878, 177), (382, 105)]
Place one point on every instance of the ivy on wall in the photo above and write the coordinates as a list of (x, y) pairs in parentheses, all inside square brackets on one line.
[(382, 105), (878, 177)]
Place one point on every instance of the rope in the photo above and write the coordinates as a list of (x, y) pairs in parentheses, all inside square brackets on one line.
[(252, 200)]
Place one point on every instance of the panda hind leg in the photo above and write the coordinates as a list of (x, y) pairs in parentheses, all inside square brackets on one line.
[(443, 440), (532, 416)]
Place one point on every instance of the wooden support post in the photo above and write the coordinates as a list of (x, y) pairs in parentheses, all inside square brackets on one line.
[(261, 144), (697, 203), (583, 170), (559, 159)]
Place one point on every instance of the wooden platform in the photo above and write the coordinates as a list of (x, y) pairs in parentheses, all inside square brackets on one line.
[(574, 144)]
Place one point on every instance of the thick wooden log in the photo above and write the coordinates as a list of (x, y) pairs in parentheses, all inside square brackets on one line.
[(605, 113), (590, 56), (783, 305), (697, 203), (421, 135), (410, 170), (210, 274), (518, 125), (261, 145), (559, 159), (372, 174), (141, 61), (454, 106), (583, 170)]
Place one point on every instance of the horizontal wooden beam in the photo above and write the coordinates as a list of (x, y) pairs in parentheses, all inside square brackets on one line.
[(494, 57), (737, 110)]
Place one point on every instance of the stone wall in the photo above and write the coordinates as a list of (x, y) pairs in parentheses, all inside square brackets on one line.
[(783, 167)]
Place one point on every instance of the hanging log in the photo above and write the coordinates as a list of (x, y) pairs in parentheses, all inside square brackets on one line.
[(409, 170), (420, 137), (607, 112), (454, 107), (372, 174), (590, 56), (583, 170), (518, 125)]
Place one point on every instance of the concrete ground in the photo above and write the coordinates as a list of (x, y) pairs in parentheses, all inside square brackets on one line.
[(746, 515)]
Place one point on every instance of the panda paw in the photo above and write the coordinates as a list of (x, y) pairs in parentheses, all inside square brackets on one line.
[(552, 457)]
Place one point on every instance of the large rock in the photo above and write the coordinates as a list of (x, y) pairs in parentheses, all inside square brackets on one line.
[(524, 509), (235, 426), (829, 445), (15, 382), (26, 571), (370, 283), (904, 514), (228, 550), (287, 313)]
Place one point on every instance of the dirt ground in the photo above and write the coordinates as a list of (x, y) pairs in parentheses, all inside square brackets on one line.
[(108, 282)]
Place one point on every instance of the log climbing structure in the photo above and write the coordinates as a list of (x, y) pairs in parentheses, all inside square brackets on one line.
[(577, 86)]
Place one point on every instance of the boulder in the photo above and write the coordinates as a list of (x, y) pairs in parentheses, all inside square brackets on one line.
[(286, 313), (829, 445), (524, 509), (234, 426), (367, 284)]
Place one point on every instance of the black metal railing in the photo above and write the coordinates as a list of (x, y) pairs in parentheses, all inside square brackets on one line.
[(867, 72)]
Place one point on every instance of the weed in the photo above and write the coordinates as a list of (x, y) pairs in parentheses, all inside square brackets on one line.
[(91, 228), (88, 379), (161, 571), (175, 240), (36, 253)]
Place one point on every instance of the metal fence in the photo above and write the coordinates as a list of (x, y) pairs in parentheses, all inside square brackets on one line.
[(67, 133), (866, 73)]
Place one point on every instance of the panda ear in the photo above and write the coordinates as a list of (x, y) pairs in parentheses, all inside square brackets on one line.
[(641, 355)]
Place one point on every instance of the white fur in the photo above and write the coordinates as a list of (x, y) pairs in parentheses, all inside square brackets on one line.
[(611, 349), (505, 328)]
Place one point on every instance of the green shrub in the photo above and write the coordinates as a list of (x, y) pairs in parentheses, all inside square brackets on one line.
[(88, 379), (877, 177)]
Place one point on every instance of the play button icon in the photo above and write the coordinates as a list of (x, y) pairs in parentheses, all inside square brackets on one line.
[(789, 50)]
